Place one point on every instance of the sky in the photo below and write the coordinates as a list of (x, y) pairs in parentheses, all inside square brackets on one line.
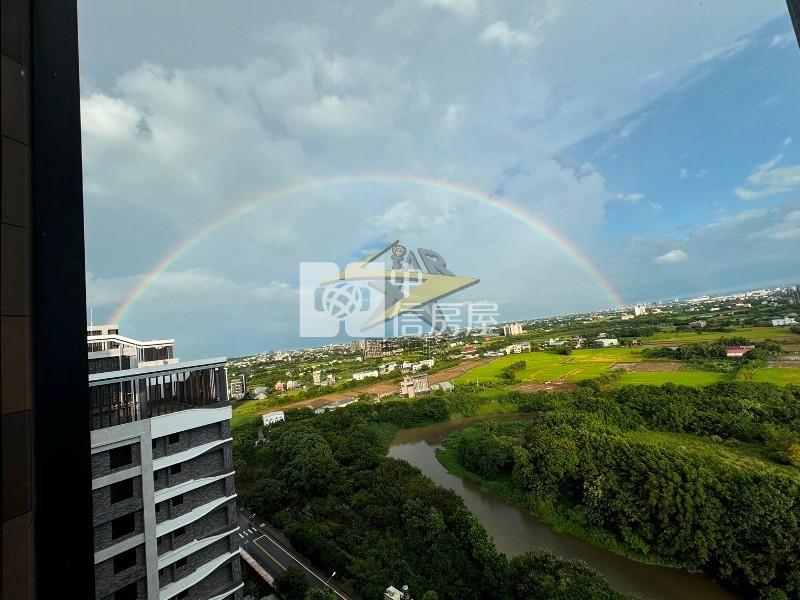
[(567, 154)]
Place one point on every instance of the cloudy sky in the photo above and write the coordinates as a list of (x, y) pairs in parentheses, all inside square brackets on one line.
[(662, 145)]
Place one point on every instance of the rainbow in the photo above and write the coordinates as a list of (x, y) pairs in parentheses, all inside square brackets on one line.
[(502, 204)]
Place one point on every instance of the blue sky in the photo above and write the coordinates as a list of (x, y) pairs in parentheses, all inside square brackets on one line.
[(660, 143), (687, 151)]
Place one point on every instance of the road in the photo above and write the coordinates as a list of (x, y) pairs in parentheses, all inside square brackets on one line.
[(262, 544)]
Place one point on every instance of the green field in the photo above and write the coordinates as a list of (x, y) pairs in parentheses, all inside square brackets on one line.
[(755, 334), (547, 366), (541, 367), (781, 376)]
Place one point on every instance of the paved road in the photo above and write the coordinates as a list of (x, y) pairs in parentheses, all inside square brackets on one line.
[(273, 556)]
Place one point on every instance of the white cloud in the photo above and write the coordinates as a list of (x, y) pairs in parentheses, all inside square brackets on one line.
[(461, 8), (673, 256), (684, 173), (632, 198), (787, 228), (500, 33), (782, 40), (787, 141), (453, 117), (768, 180)]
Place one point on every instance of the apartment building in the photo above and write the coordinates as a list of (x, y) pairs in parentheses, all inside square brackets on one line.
[(163, 495)]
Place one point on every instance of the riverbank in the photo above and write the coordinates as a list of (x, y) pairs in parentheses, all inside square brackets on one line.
[(559, 522), (516, 530)]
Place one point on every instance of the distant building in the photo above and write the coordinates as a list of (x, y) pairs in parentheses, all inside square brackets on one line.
[(316, 377), (737, 351), (362, 375), (413, 385), (639, 310), (446, 386), (280, 386), (271, 418), (626, 316), (339, 404), (606, 342), (373, 348), (784, 321), (699, 324), (292, 384), (237, 386), (512, 329), (518, 348)]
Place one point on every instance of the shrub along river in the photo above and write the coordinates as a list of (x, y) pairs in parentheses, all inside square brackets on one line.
[(515, 530)]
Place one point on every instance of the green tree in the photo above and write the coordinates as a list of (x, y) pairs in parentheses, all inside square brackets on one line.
[(320, 594), (292, 584)]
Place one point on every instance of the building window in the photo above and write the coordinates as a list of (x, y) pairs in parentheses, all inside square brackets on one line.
[(129, 592), (182, 595), (120, 457), (180, 531), (155, 443), (175, 469), (156, 475), (177, 500), (124, 560), (121, 526), (173, 438), (158, 507), (181, 562), (121, 490)]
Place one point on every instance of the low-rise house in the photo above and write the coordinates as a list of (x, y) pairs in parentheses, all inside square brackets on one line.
[(737, 351), (699, 324), (606, 342), (362, 375), (280, 386), (271, 418), (414, 385), (784, 321), (259, 392), (340, 403)]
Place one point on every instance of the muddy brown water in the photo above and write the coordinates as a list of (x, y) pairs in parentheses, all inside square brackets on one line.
[(516, 530)]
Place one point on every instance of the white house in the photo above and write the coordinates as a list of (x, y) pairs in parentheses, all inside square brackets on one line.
[(783, 322), (362, 375), (271, 418), (606, 342)]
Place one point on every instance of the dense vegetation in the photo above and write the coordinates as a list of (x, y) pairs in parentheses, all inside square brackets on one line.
[(696, 477), (325, 481)]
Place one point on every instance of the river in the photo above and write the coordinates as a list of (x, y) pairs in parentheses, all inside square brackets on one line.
[(515, 531)]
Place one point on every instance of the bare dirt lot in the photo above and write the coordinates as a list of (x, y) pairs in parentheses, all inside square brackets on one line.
[(384, 387), (650, 367)]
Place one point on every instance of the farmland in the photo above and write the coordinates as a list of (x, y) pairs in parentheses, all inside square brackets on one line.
[(583, 364)]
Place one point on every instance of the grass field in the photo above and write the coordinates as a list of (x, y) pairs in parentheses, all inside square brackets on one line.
[(546, 366), (541, 367), (781, 376), (755, 334)]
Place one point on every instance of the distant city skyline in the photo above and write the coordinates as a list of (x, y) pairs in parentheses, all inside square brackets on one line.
[(566, 157)]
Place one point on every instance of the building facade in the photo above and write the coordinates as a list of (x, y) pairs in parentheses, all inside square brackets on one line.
[(163, 495), (237, 386)]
